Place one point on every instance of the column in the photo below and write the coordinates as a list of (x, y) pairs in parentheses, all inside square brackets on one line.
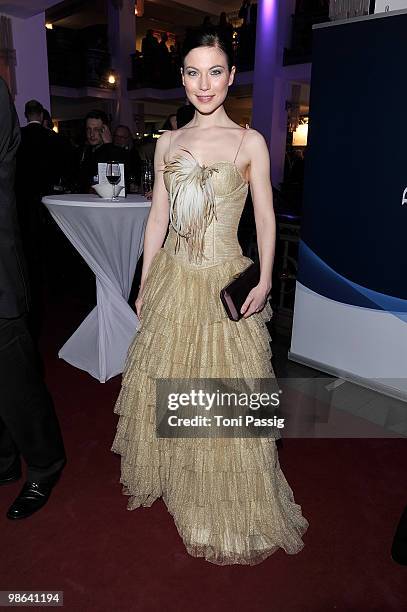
[(139, 118), (273, 33), (122, 43), (31, 70)]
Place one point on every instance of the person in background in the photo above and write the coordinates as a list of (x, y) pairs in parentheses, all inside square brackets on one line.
[(175, 55), (164, 59), (36, 174), (98, 148), (149, 46), (225, 27), (248, 12), (123, 139), (247, 35), (150, 51), (59, 254), (28, 423), (63, 155), (170, 123), (35, 150)]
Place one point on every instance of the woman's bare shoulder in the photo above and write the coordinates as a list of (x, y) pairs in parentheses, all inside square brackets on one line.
[(162, 145), (164, 139), (255, 143), (254, 136)]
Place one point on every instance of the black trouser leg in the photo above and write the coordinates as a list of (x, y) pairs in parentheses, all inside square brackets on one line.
[(26, 408)]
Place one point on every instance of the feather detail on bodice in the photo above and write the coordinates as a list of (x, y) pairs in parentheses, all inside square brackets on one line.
[(192, 202)]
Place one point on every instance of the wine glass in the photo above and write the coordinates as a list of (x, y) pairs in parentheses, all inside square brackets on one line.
[(113, 175)]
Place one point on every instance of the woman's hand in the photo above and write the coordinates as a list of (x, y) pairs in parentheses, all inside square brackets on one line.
[(149, 195), (255, 301)]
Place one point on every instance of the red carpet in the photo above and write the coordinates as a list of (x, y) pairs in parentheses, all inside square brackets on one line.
[(104, 558)]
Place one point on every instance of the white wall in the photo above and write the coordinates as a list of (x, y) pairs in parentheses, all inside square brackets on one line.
[(29, 39), (382, 6)]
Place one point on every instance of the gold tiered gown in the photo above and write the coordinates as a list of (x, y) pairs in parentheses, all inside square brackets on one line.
[(228, 496)]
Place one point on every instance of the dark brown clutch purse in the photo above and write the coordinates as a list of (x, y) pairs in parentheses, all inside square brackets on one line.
[(236, 292)]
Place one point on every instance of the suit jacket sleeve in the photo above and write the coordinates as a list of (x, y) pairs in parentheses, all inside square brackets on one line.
[(13, 291)]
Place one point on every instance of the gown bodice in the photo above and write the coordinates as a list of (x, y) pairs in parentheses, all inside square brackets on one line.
[(229, 191)]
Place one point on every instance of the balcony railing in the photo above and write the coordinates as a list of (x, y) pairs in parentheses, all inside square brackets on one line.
[(81, 57), (78, 58), (300, 50), (156, 68)]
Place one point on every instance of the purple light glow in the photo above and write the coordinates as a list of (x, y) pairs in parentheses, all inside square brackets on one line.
[(266, 67), (267, 10), (266, 39)]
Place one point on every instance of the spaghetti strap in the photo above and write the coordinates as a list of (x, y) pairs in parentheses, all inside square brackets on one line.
[(237, 152), (169, 148)]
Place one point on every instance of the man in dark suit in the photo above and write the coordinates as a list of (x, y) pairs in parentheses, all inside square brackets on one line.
[(36, 174), (63, 157), (36, 162), (28, 423)]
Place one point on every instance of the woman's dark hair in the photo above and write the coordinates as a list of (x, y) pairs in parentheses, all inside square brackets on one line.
[(208, 37)]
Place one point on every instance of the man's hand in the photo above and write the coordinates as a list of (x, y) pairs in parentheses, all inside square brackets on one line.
[(106, 134)]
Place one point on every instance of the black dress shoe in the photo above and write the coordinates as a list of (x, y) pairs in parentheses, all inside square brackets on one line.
[(33, 496), (11, 475)]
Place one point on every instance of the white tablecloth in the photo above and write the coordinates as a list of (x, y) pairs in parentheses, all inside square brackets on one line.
[(109, 236)]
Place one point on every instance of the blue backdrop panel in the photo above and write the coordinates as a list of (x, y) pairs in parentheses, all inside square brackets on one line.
[(354, 229)]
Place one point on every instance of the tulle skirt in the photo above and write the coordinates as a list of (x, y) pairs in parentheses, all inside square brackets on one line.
[(229, 498)]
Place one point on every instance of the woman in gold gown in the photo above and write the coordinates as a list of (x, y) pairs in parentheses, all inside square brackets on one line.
[(228, 496)]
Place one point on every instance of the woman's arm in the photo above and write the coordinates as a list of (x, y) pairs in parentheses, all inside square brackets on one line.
[(262, 196), (158, 218)]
